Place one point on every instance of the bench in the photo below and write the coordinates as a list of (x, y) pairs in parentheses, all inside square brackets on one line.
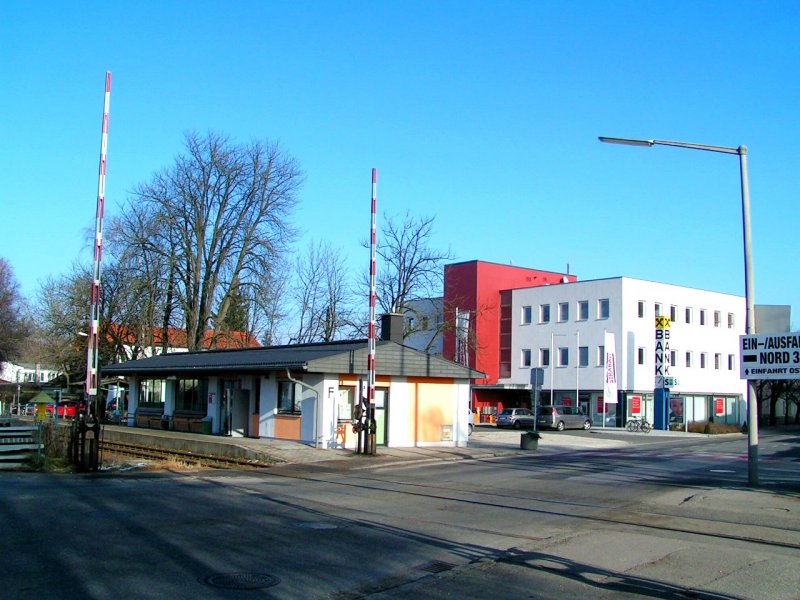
[(150, 420), (190, 423)]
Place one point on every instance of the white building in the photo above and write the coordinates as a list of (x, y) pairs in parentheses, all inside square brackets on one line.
[(561, 328)]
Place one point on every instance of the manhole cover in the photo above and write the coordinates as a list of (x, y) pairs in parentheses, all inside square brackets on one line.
[(312, 525), (241, 581), (436, 566)]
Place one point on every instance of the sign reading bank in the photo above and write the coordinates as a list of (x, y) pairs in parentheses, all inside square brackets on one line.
[(770, 356)]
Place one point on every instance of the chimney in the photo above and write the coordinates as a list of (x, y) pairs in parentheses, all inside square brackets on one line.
[(392, 327)]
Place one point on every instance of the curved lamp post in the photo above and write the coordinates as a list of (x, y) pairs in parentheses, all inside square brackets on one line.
[(741, 151)]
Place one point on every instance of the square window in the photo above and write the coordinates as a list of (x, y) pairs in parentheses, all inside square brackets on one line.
[(563, 357), (544, 313), (583, 310), (544, 357), (563, 311), (527, 315), (583, 356), (602, 308)]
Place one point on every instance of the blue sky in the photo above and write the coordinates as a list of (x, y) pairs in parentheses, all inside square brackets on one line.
[(482, 114)]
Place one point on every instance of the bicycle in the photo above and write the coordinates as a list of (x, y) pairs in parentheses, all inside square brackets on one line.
[(638, 425)]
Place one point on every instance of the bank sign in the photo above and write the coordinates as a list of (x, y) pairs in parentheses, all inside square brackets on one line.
[(770, 356)]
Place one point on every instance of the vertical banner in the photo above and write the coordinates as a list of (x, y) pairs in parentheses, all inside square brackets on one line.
[(719, 407), (462, 337), (610, 370)]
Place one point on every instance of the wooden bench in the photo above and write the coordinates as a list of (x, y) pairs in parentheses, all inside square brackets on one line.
[(150, 420), (190, 423)]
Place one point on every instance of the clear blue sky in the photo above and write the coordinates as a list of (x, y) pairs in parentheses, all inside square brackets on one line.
[(482, 114)]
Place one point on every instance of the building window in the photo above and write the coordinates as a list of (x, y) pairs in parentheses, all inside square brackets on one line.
[(688, 315), (717, 318), (731, 362), (288, 403), (527, 315), (688, 359), (563, 357), (526, 358), (150, 393), (602, 308), (673, 358), (717, 360), (641, 354), (583, 356), (544, 357), (601, 356), (563, 311), (702, 316), (544, 313), (673, 313), (191, 396), (583, 310), (641, 309), (657, 309), (703, 360), (730, 321)]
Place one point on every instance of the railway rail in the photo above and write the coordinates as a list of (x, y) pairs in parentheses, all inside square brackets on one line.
[(192, 458)]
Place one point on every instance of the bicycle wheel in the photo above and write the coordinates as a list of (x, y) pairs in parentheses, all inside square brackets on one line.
[(645, 426), (631, 425)]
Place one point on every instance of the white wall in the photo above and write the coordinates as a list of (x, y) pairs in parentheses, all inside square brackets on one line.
[(631, 332)]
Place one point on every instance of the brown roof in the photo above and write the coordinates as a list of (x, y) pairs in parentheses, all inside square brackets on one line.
[(176, 338)]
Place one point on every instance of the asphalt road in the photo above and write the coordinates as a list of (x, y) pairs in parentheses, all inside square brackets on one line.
[(647, 517)]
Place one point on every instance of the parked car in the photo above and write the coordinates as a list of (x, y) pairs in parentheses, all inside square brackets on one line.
[(563, 417), (471, 423), (515, 417)]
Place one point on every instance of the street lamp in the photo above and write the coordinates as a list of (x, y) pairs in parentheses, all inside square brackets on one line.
[(741, 151)]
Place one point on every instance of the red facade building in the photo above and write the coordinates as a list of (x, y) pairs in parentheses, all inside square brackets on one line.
[(476, 310)]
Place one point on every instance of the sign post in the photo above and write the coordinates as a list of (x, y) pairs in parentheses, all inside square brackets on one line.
[(770, 356), (663, 378)]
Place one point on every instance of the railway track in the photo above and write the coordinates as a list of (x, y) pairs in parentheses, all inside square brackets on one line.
[(191, 458)]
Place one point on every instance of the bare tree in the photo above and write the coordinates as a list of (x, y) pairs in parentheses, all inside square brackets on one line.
[(320, 293), (409, 269), (218, 219), (14, 327)]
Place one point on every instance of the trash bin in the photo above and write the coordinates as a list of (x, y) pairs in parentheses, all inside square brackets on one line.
[(529, 440), (207, 425)]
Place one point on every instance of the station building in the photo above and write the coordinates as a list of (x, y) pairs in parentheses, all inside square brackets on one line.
[(304, 392)]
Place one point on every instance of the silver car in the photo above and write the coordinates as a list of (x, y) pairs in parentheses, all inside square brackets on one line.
[(516, 418), (563, 417)]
